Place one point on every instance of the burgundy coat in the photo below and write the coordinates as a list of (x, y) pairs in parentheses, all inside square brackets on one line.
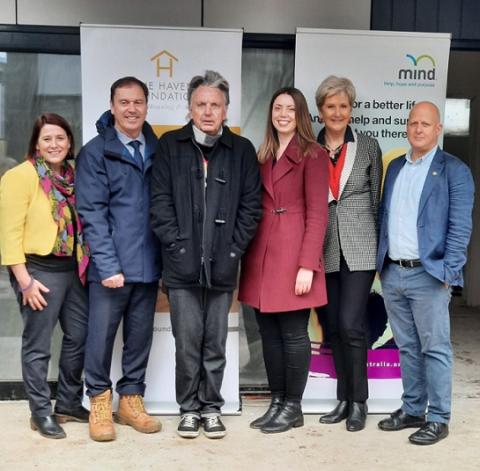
[(290, 234)]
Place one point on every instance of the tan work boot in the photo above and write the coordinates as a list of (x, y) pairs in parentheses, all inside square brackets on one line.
[(131, 411), (100, 421)]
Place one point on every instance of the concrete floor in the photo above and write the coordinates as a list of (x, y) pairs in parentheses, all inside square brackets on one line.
[(313, 447)]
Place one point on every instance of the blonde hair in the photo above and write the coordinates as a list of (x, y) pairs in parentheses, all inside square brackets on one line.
[(334, 85)]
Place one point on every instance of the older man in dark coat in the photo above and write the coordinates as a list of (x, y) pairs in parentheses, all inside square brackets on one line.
[(205, 209)]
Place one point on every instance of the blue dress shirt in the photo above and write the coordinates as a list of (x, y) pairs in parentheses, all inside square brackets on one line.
[(124, 139), (403, 212)]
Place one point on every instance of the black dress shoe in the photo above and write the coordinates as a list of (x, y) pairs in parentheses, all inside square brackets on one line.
[(290, 415), (336, 415), (430, 433), (47, 426), (275, 406), (79, 414), (399, 420), (357, 416)]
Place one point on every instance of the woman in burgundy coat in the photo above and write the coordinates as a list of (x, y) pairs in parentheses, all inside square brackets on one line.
[(282, 272)]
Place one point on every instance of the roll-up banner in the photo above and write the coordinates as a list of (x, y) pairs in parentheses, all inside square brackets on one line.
[(391, 71), (165, 59)]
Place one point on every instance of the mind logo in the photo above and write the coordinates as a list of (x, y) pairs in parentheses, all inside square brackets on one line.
[(425, 71)]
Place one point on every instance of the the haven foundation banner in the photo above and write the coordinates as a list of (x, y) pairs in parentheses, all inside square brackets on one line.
[(391, 71), (165, 59)]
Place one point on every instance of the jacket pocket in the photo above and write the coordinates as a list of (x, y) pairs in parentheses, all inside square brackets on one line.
[(180, 262), (225, 263)]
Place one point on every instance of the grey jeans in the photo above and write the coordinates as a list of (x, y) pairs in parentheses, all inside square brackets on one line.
[(67, 303), (199, 319)]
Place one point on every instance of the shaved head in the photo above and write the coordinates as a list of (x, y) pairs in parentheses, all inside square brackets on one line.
[(423, 128), (428, 105)]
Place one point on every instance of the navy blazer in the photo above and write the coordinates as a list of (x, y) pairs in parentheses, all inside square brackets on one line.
[(444, 222)]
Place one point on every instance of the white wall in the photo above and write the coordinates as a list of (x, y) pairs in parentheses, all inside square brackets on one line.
[(7, 11), (260, 16), (283, 16), (134, 12)]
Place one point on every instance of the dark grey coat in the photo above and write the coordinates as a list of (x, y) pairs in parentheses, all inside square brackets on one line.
[(204, 229)]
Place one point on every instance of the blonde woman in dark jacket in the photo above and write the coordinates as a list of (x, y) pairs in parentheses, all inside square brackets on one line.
[(355, 174)]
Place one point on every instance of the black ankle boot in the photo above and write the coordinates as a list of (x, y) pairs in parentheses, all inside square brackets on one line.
[(290, 415), (273, 409), (357, 416), (336, 415), (47, 426)]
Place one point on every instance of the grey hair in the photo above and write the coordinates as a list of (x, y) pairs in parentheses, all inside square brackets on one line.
[(334, 85), (210, 79)]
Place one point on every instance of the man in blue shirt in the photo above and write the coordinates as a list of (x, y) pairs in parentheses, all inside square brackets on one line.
[(425, 225), (113, 199)]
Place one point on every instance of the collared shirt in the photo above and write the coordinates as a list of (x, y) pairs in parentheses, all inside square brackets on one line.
[(347, 138), (403, 213), (124, 139)]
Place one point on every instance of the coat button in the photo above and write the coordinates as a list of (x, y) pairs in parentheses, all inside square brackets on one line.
[(182, 250), (233, 254)]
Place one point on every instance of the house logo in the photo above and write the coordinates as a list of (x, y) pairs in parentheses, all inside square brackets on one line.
[(164, 61), (423, 71)]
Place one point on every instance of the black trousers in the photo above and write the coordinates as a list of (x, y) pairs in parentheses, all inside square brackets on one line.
[(135, 304), (67, 304), (286, 351), (199, 319), (346, 329)]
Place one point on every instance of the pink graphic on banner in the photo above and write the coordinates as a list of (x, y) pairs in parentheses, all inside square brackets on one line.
[(381, 363)]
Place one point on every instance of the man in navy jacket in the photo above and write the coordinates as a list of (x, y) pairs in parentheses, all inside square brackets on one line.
[(425, 226), (113, 199)]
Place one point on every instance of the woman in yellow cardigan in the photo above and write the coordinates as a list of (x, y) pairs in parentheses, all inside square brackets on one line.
[(41, 242)]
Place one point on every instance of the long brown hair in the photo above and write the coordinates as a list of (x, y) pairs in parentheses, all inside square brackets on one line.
[(304, 132), (57, 120)]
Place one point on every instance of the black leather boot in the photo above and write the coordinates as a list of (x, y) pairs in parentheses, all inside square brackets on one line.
[(47, 426), (336, 415), (78, 414), (357, 416), (273, 409), (290, 415)]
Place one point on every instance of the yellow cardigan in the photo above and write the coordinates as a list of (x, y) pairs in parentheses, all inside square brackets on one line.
[(26, 222)]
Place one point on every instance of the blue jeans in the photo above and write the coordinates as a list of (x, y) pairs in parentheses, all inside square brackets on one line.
[(417, 306)]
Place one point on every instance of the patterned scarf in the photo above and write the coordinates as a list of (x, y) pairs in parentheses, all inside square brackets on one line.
[(60, 191)]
